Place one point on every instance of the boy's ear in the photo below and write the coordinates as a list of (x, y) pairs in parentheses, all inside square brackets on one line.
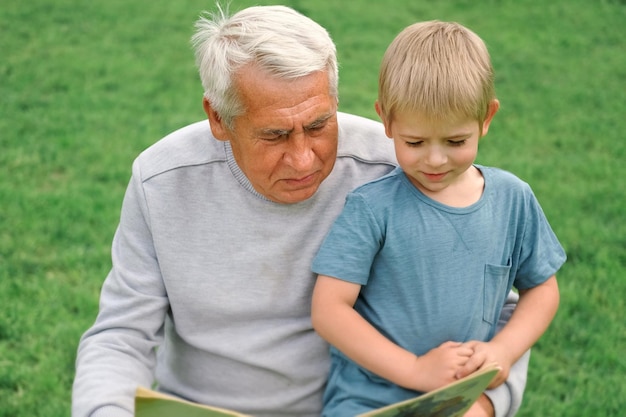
[(493, 108), (380, 113), (218, 128)]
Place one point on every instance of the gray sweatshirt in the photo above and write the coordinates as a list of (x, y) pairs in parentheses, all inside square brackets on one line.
[(210, 286)]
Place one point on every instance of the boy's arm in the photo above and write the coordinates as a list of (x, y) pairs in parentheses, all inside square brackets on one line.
[(535, 310), (335, 319), (532, 316)]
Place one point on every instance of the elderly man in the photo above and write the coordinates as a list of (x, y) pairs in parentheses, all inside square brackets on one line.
[(209, 292)]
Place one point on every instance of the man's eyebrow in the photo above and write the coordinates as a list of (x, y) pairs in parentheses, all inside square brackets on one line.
[(276, 132), (286, 132), (319, 121)]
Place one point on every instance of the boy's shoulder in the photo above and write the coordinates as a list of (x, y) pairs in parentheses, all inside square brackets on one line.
[(379, 187), (504, 185), (500, 177)]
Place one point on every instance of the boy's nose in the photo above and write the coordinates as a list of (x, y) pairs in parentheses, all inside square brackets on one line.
[(436, 157)]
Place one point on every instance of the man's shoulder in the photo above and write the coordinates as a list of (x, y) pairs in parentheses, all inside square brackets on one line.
[(191, 145), (364, 139)]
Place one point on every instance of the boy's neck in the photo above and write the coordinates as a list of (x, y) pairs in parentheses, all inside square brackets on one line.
[(464, 192)]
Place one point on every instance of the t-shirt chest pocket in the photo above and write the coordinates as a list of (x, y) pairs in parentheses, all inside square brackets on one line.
[(495, 291)]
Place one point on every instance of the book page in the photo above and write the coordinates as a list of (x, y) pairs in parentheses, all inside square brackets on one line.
[(452, 400)]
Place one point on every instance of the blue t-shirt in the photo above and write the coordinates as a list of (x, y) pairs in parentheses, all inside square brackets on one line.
[(431, 273)]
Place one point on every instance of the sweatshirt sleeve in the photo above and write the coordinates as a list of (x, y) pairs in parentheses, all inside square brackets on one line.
[(507, 398), (118, 352)]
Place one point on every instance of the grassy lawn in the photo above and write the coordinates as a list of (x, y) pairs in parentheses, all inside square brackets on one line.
[(86, 85)]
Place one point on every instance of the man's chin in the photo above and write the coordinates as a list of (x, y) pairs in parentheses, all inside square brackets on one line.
[(294, 196)]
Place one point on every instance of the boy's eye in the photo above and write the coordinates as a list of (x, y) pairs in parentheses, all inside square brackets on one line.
[(414, 143), (457, 142)]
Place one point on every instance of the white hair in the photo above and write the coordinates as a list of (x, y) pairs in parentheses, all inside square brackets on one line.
[(278, 39)]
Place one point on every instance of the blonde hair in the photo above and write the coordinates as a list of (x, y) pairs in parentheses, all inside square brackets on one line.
[(440, 69)]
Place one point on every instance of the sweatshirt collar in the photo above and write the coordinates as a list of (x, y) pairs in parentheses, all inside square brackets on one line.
[(238, 173)]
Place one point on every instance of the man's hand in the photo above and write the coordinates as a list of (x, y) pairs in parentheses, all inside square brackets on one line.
[(481, 408)]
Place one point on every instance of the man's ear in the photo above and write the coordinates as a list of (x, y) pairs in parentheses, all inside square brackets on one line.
[(494, 106), (379, 110), (218, 128)]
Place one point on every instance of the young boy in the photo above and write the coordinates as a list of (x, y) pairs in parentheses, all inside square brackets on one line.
[(438, 228)]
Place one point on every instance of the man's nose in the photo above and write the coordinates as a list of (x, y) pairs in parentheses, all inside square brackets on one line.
[(299, 154)]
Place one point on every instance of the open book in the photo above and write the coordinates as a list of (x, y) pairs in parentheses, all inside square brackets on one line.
[(452, 400)]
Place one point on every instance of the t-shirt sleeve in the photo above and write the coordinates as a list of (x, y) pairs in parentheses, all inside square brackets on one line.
[(350, 246), (541, 255)]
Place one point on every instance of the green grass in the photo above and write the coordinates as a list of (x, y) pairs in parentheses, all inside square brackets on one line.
[(86, 85)]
